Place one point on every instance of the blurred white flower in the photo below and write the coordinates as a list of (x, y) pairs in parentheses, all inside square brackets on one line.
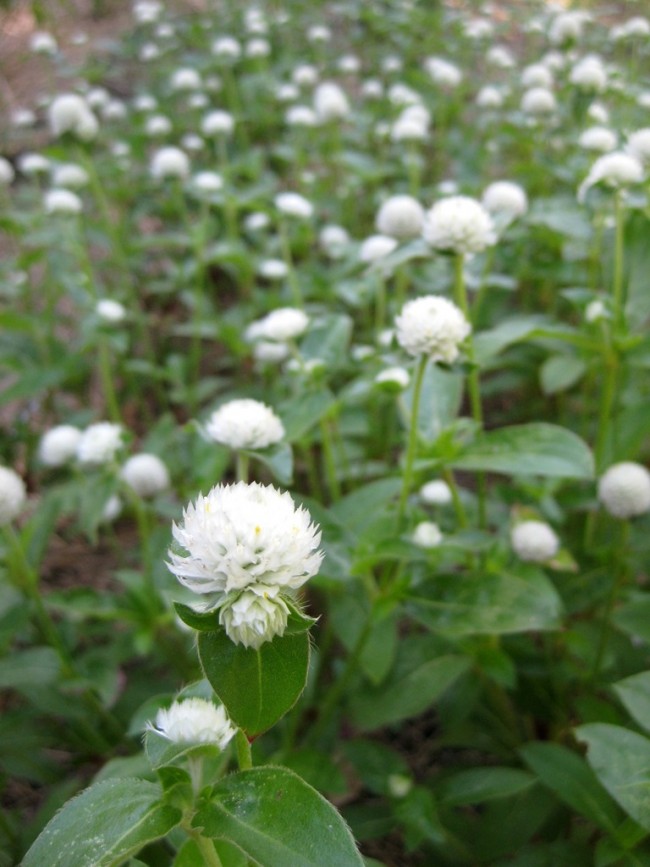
[(12, 495), (489, 97), (500, 56), (70, 112), (42, 42), (244, 424), (158, 125), (436, 493), (330, 102), (396, 378), (110, 310), (534, 541), (207, 182), (443, 72), (305, 75), (567, 26), (59, 445), (254, 616), (400, 217), (282, 324), (624, 490), (589, 74), (598, 138), (427, 535), (537, 75), (146, 474), (226, 47), (505, 198), (616, 169), (62, 202), (99, 443), (538, 101), (194, 720), (170, 162), (376, 247), (333, 240), (7, 173), (218, 123), (294, 205), (638, 145), (301, 115), (459, 224), (33, 164), (185, 79), (69, 175), (595, 311), (432, 326)]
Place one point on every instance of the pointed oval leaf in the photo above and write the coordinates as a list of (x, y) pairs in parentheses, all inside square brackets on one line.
[(277, 819), (104, 825), (634, 692), (257, 687)]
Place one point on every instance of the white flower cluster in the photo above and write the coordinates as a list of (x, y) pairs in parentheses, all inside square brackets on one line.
[(432, 326), (194, 720), (459, 224), (624, 490), (280, 325), (598, 138), (170, 162), (246, 546), (400, 217), (70, 112), (534, 541), (145, 474), (616, 169), (12, 495), (99, 443), (505, 198), (244, 424)]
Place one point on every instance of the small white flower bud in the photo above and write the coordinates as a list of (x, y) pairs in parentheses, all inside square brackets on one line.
[(534, 541), (624, 490)]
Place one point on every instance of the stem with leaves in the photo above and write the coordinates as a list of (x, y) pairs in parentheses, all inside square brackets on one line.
[(413, 438)]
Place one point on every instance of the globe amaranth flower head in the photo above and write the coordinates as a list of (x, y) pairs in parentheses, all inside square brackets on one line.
[(247, 548), (70, 112), (459, 224), (12, 495), (294, 205), (146, 474), (534, 541), (624, 490), (284, 323), (638, 145), (506, 198), (194, 720), (400, 217), (59, 445), (170, 162), (99, 443), (616, 169), (245, 424), (432, 326)]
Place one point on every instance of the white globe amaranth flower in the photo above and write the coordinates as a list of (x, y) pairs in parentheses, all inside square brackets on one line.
[(330, 102), (638, 145), (207, 182), (427, 535), (218, 123), (286, 92), (305, 75), (170, 162), (282, 324), (436, 493), (432, 326), (589, 74), (400, 217), (245, 424), (42, 42), (99, 443), (617, 169), (538, 101), (257, 48), (598, 113), (193, 142), (568, 26), (349, 64), (257, 221), (255, 616), (269, 352), (319, 33), (185, 79), (227, 48), (394, 378), (59, 445), (401, 94), (376, 247), (595, 311), (459, 224), (7, 173), (598, 138), (443, 72), (242, 535), (33, 164), (409, 128), (110, 311), (147, 11), (112, 509), (301, 115), (294, 205), (500, 56), (624, 490), (273, 269), (70, 112), (145, 102), (69, 175), (23, 118), (537, 75), (13, 495), (333, 239), (505, 197), (489, 97), (194, 720), (534, 541), (372, 88), (115, 109), (158, 125), (146, 474), (62, 202)]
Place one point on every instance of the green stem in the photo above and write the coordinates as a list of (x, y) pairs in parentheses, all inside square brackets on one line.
[(242, 467), (473, 382), (294, 283), (619, 252), (244, 755), (607, 399), (412, 439), (330, 463), (106, 375), (209, 854), (380, 303), (461, 515), (620, 571)]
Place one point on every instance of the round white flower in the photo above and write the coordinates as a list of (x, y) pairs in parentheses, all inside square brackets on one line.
[(157, 125), (505, 197), (624, 490), (500, 56), (12, 495), (145, 102), (305, 75), (567, 26), (400, 217), (7, 173), (254, 616), (598, 138), (59, 445), (538, 100), (69, 175), (194, 720), (534, 541), (70, 112), (193, 142), (333, 239), (330, 102), (459, 224), (218, 123), (537, 75), (258, 48), (256, 221), (285, 323), (376, 247), (170, 162), (616, 169), (110, 311), (62, 202), (432, 326), (409, 128), (489, 97), (598, 113), (595, 311), (245, 424), (427, 535), (294, 205), (146, 474), (99, 443), (436, 493), (589, 74), (273, 269), (22, 118), (207, 182), (33, 164), (286, 92), (240, 536), (147, 11), (42, 42), (269, 352), (638, 145), (185, 79), (112, 509), (443, 72), (301, 115), (319, 33), (226, 47), (397, 378), (401, 94), (372, 88)]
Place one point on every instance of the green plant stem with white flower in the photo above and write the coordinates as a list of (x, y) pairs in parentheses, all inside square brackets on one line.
[(287, 256), (473, 381), (242, 467), (329, 459), (243, 748), (618, 568), (106, 376), (411, 448)]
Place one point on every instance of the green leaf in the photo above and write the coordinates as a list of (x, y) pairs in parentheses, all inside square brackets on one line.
[(202, 621), (477, 785), (560, 372), (358, 510), (411, 688), (25, 669), (277, 820), (621, 761), (328, 339), (278, 459), (162, 752), (103, 826), (536, 449), (634, 692), (257, 687), (488, 344), (490, 604), (304, 412), (569, 776)]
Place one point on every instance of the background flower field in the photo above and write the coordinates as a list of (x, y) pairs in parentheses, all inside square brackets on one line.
[(324, 400)]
